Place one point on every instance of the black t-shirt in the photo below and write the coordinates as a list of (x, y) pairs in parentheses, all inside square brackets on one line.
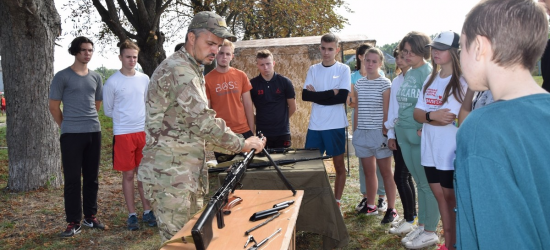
[(270, 99), (545, 67)]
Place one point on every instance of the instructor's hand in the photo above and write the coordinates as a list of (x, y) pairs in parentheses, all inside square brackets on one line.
[(254, 142)]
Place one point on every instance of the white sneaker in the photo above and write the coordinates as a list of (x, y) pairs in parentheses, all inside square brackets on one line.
[(412, 234), (423, 240), (396, 223), (382, 205), (403, 228)]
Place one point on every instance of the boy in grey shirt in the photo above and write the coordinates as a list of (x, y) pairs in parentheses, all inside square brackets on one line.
[(80, 91)]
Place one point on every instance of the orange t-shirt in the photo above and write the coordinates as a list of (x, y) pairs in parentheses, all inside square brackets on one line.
[(224, 90), (3, 101)]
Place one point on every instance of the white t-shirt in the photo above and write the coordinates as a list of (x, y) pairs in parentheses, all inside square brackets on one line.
[(438, 143), (393, 109), (124, 101), (337, 76), (371, 102)]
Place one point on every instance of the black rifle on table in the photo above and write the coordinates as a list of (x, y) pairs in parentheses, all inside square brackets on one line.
[(268, 164), (286, 150), (202, 232)]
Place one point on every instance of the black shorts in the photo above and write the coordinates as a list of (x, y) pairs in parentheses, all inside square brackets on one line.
[(443, 177), (279, 141)]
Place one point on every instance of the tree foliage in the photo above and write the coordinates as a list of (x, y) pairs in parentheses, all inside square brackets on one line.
[(388, 48), (105, 72), (151, 22)]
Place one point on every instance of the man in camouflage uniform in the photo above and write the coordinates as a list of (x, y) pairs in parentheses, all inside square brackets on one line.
[(179, 126)]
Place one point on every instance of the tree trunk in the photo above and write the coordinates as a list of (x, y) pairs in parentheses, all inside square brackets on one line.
[(28, 30), (151, 53)]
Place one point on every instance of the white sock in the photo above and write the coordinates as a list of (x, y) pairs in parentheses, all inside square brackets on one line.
[(130, 215), (146, 212), (337, 200)]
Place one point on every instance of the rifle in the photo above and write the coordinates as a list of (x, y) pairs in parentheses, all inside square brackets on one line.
[(286, 150), (268, 164), (202, 231)]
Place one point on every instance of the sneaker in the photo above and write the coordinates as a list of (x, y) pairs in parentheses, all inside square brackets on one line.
[(396, 222), (412, 235), (93, 222), (150, 219), (132, 223), (369, 211), (382, 204), (423, 240), (71, 230), (403, 228), (390, 216), (361, 204)]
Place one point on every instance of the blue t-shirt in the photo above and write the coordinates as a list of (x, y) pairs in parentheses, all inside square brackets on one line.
[(78, 95), (502, 176), (270, 99)]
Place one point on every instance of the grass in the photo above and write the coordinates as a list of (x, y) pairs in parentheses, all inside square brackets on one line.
[(32, 220), (538, 79)]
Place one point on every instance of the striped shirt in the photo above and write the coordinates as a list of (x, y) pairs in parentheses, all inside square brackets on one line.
[(371, 103)]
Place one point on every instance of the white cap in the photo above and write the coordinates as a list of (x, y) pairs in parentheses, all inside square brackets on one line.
[(445, 40)]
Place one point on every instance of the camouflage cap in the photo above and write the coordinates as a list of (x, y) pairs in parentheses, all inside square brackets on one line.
[(212, 22)]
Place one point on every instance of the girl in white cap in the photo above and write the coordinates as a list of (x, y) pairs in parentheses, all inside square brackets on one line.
[(437, 108)]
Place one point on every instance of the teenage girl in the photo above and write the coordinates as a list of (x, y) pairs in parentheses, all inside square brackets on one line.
[(361, 71), (401, 176), (369, 137), (437, 108), (413, 48)]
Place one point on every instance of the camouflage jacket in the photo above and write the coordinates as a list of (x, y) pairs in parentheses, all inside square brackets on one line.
[(179, 126)]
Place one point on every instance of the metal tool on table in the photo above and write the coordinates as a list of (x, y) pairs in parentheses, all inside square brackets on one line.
[(250, 238), (266, 213), (258, 245), (262, 224)]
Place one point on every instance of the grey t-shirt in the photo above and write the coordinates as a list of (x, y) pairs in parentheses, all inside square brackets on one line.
[(78, 95)]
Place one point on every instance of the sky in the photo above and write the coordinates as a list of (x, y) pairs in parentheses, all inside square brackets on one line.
[(386, 21)]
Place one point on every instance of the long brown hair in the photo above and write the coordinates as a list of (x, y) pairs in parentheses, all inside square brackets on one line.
[(453, 87), (360, 51), (396, 53)]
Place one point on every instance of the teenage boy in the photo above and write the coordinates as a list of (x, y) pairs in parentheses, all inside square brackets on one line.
[(274, 98), (124, 100), (79, 88), (501, 157), (228, 92), (327, 86)]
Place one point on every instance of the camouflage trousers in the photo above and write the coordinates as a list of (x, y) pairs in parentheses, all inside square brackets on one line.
[(173, 207)]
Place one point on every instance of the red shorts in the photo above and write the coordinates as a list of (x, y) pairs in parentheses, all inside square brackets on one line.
[(128, 151), (3, 108)]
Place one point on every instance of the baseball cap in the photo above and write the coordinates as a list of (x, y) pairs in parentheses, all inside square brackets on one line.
[(445, 40), (212, 22)]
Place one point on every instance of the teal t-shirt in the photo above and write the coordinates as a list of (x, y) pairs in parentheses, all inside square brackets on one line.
[(407, 95), (502, 176)]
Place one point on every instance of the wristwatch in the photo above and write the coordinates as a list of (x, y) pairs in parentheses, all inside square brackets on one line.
[(428, 117)]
